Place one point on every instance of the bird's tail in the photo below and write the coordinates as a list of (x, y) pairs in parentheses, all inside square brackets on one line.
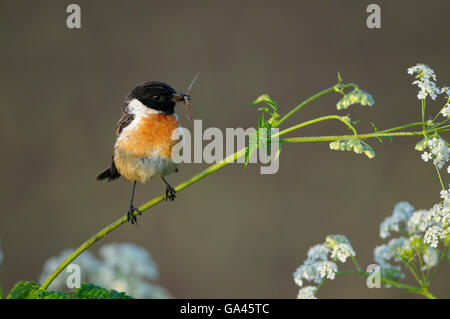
[(110, 173)]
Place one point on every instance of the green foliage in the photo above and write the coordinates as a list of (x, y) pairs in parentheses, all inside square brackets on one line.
[(30, 290), (272, 110), (262, 137), (23, 289), (90, 291)]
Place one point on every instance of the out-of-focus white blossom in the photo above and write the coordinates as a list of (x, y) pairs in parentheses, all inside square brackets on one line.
[(430, 258), (425, 81), (422, 231), (307, 293), (402, 212), (123, 267)]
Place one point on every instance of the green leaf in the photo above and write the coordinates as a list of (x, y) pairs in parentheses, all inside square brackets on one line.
[(266, 99), (52, 295), (252, 146), (30, 290), (90, 291), (261, 120), (340, 80), (266, 109), (23, 289)]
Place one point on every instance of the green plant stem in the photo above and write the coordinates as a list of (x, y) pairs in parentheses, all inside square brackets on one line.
[(102, 233), (211, 169), (337, 88), (317, 120), (312, 98), (409, 288), (331, 138)]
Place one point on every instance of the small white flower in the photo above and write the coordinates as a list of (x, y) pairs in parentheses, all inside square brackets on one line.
[(426, 156), (307, 293)]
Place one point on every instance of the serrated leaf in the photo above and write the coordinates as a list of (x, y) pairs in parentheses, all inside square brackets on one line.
[(266, 99), (52, 295), (90, 291), (23, 289)]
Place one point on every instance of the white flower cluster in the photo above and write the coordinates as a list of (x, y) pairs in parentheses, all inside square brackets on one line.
[(423, 230), (437, 150), (318, 267), (425, 81), (446, 110), (307, 293), (123, 267)]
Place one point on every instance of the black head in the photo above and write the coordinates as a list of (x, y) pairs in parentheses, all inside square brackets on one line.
[(156, 95)]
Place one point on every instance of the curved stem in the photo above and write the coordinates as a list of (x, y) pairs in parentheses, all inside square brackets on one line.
[(312, 98), (144, 207), (331, 138), (317, 120)]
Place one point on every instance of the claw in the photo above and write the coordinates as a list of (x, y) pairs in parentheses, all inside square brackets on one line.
[(130, 214), (170, 193)]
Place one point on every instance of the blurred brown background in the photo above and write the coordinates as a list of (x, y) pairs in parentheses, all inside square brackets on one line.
[(236, 233)]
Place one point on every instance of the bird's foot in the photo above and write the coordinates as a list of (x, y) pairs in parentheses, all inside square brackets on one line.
[(130, 214), (170, 193)]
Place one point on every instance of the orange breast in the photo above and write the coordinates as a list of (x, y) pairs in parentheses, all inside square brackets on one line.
[(150, 136)]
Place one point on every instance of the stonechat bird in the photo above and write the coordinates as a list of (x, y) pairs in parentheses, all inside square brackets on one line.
[(143, 148)]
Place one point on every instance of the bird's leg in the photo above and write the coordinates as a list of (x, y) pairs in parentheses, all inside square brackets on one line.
[(130, 215), (170, 191)]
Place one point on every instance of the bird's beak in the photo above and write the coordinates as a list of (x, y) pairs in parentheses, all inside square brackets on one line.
[(180, 97)]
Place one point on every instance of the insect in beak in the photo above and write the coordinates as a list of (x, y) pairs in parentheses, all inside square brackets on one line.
[(181, 97), (186, 98)]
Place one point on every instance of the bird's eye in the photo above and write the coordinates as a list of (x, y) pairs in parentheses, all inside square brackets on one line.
[(156, 97)]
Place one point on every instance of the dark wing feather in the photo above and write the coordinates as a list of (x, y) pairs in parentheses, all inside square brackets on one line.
[(124, 121), (112, 172)]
